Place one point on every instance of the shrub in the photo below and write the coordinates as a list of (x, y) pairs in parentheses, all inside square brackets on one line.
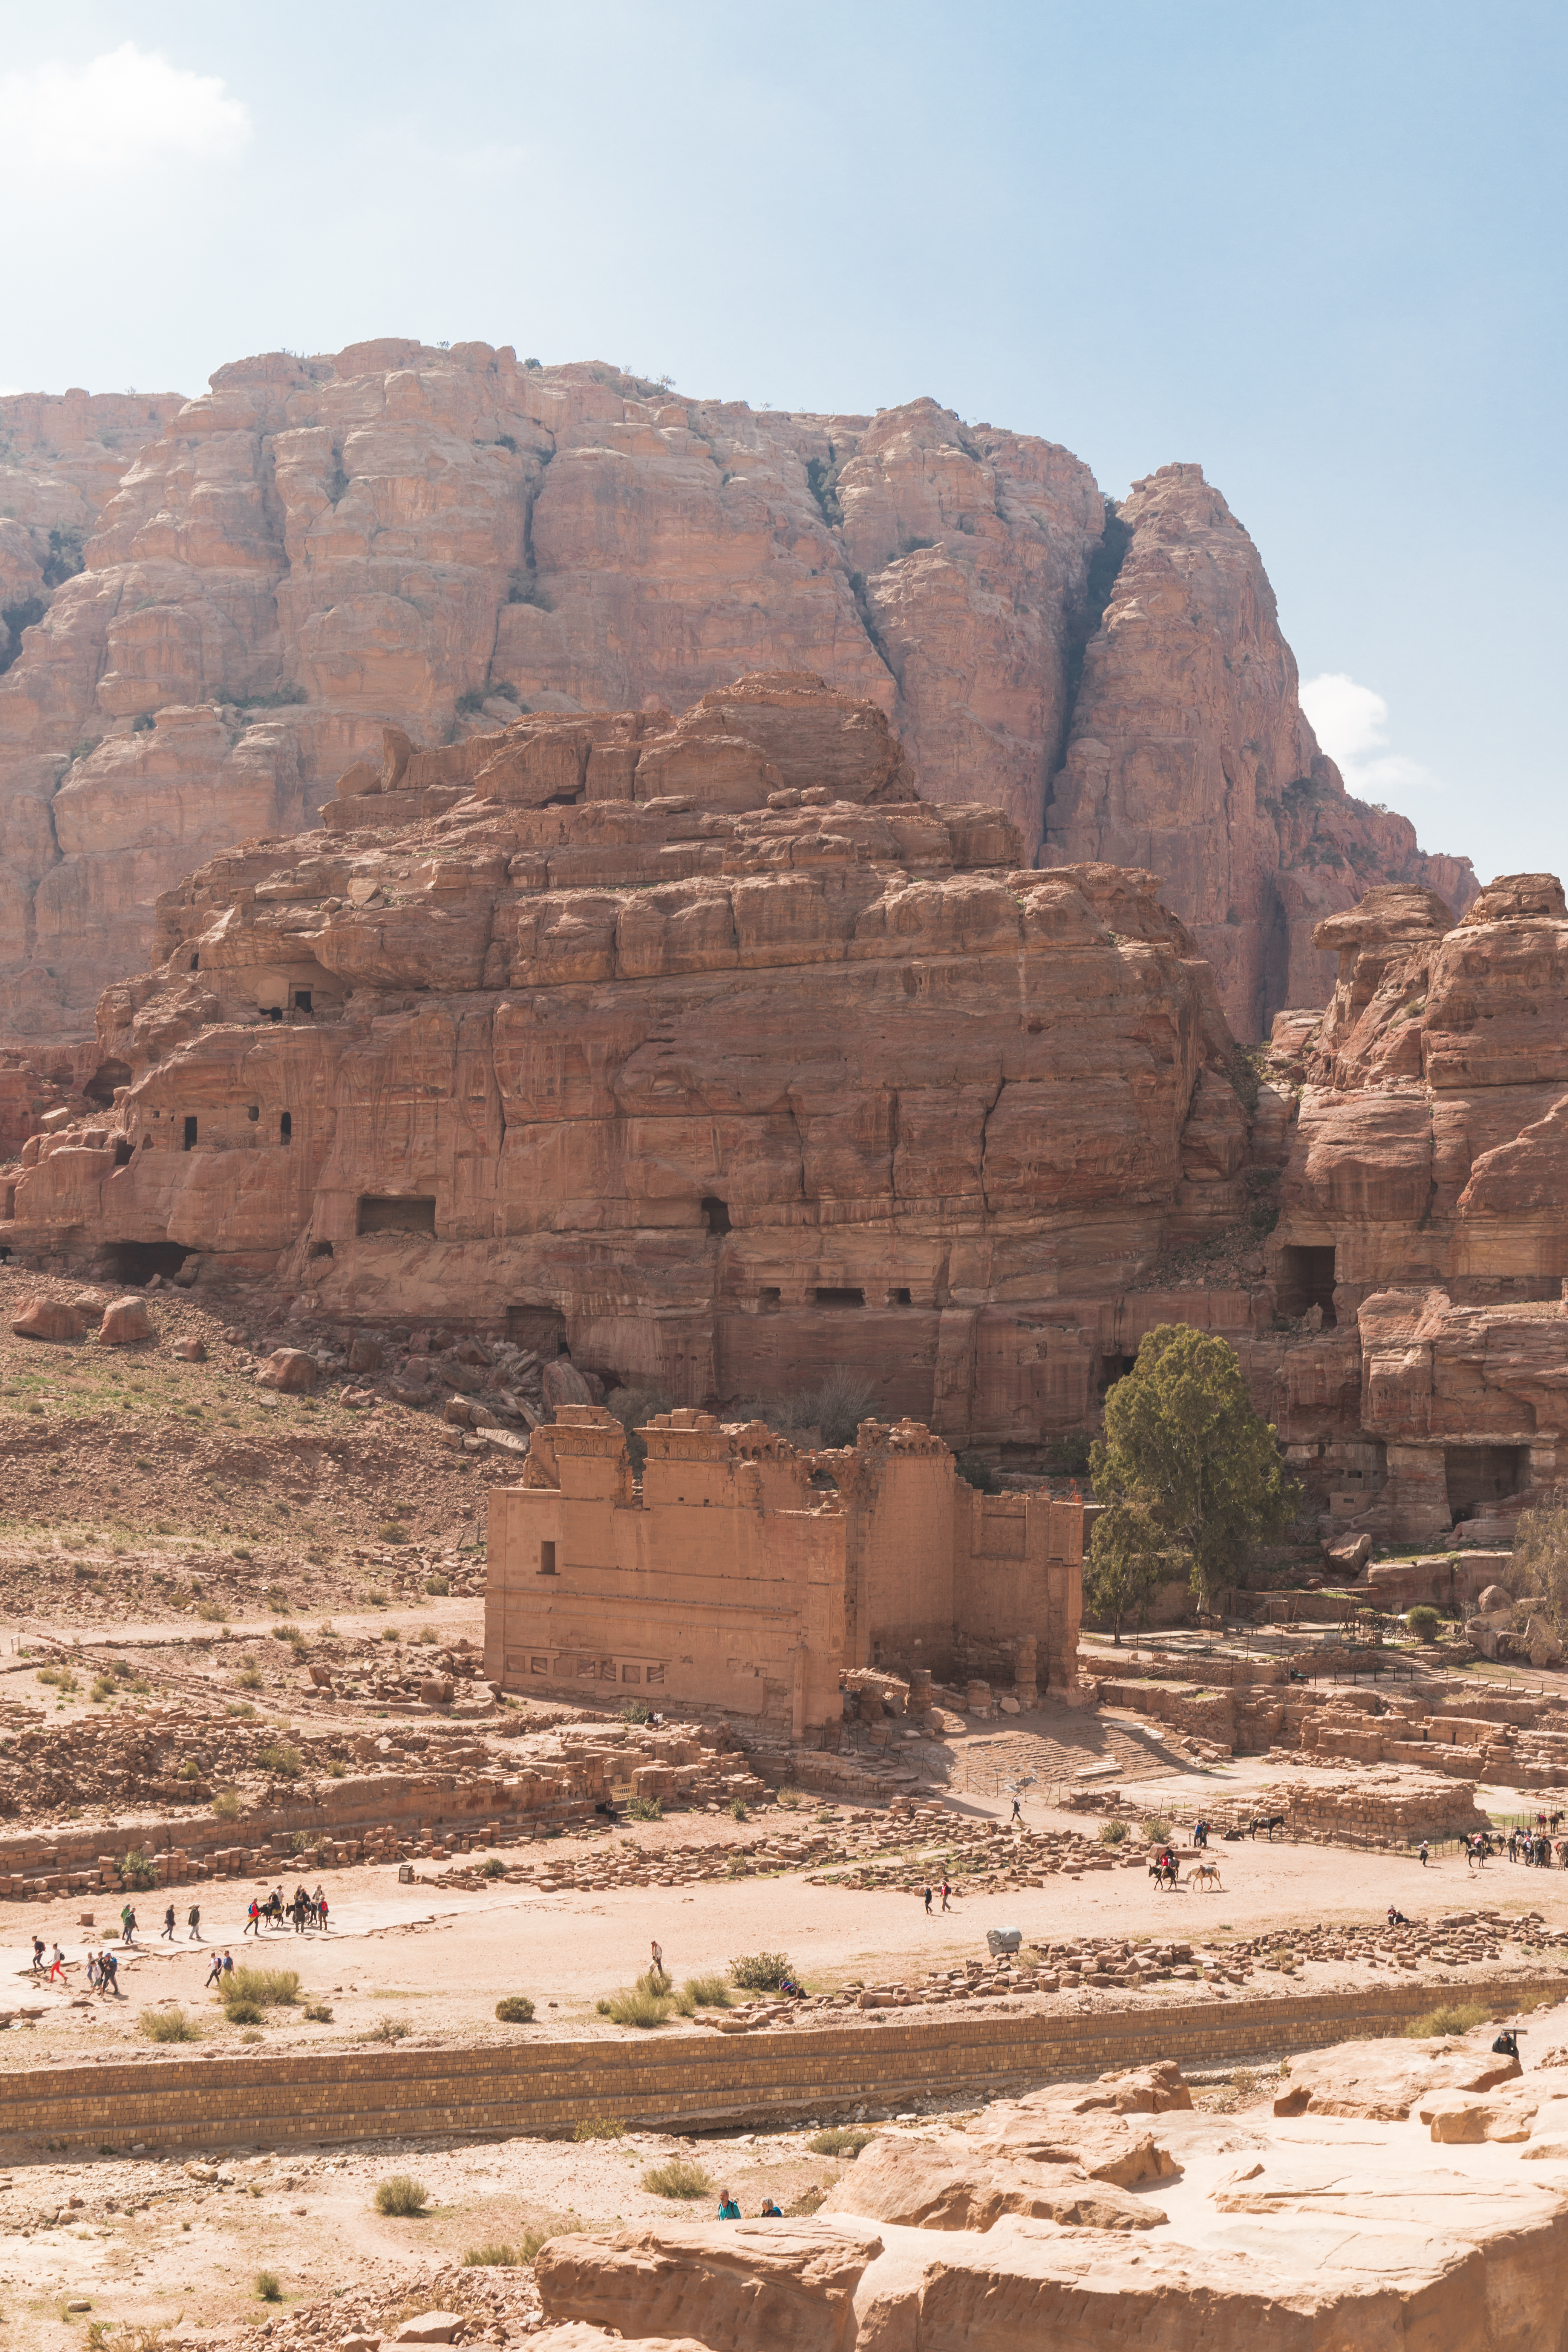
[(843, 2139), (243, 2012), (402, 2195), (760, 1971), (270, 1988), (499, 2257), (319, 2012), (136, 1869), (634, 2008), (737, 1810), (284, 1761), (788, 1801), (168, 2025), (636, 1710), (1450, 2017), (389, 2030), (540, 2233), (599, 2127), (494, 1868), (212, 1613), (1423, 1623), (389, 1532), (438, 1587), (644, 1809), (676, 2177), (269, 2287), (515, 2009), (708, 1992), (1112, 1832), (1157, 1829), (226, 1805)]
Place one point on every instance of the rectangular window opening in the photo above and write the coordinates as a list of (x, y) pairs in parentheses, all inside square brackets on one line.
[(189, 1133), (407, 1214), (1307, 1280), (631, 1674), (839, 1294), (547, 1560)]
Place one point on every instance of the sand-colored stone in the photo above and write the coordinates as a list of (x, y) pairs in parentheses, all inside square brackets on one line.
[(317, 550), (734, 2284), (1385, 2080), (125, 1323), (730, 1579), (49, 1318), (289, 1369)]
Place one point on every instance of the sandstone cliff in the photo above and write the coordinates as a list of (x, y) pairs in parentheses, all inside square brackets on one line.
[(1189, 754), (434, 539), (620, 1030)]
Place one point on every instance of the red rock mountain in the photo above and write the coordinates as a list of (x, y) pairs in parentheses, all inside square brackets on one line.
[(319, 547)]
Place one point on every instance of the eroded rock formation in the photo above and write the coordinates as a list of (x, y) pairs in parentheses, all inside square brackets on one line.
[(433, 539), (1189, 754), (1425, 1214), (727, 1083)]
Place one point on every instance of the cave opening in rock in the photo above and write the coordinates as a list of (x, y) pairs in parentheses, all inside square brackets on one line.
[(715, 1213), (1478, 1476), (406, 1213), (1307, 1280), (190, 1131), (137, 1262), (122, 1148), (100, 1089), (839, 1294), (541, 1327)]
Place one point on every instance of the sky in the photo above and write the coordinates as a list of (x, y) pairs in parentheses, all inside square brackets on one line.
[(1319, 249)]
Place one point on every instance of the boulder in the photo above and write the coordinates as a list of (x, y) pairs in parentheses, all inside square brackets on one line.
[(291, 1369), (436, 1690), (736, 2286), (1544, 1646), (562, 1383), (430, 2327), (1495, 1601), (945, 2182), (125, 1323), (189, 1351), (1385, 2080), (364, 1355), (49, 1318), (1349, 1556), (1456, 2119)]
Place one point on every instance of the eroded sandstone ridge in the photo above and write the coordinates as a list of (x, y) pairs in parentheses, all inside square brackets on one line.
[(621, 1030), (433, 539), (1424, 1224)]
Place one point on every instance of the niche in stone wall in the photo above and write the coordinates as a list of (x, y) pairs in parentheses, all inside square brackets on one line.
[(541, 1327), (1306, 1280), (406, 1213), (1479, 1476)]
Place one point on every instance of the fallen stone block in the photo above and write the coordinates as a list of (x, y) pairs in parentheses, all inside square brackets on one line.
[(125, 1323), (291, 1369), (47, 1319)]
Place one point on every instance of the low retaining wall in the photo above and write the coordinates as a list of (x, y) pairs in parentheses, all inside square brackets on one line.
[(683, 2082)]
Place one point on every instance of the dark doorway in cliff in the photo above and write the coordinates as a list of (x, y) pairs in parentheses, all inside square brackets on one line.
[(122, 1150), (543, 1328), (1307, 1280), (839, 1294), (1113, 1369), (140, 1260), (407, 1214), (715, 1213), (190, 1137), (1481, 1475), (100, 1087)]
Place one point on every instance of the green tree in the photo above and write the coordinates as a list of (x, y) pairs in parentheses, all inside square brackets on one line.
[(1129, 1555), (1182, 1439)]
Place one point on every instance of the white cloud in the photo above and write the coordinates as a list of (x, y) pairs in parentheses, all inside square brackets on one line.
[(126, 109), (1351, 721)]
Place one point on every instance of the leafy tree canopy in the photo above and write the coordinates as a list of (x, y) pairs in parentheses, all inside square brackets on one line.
[(1183, 1442), (1129, 1556)]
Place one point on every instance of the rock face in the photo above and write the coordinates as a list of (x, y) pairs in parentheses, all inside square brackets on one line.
[(318, 549), (725, 1085), (1425, 1213), (1349, 2227), (1189, 754)]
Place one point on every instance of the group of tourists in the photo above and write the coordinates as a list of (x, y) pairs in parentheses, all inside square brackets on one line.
[(728, 2211), (102, 1967), (306, 1910)]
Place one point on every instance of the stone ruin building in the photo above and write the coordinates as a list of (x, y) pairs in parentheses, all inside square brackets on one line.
[(740, 1573), (708, 1049)]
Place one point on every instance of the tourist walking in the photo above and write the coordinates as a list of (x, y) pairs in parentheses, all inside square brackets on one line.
[(168, 1934), (194, 1922), (926, 1891), (657, 1948), (214, 1974), (38, 1955), (1017, 1816), (1423, 1854), (58, 1970), (253, 1920), (946, 1891), (127, 1924)]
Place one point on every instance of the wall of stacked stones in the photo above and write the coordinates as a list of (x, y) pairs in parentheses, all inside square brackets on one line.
[(682, 2082)]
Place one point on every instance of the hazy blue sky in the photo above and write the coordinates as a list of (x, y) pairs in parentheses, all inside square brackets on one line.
[(1319, 249)]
